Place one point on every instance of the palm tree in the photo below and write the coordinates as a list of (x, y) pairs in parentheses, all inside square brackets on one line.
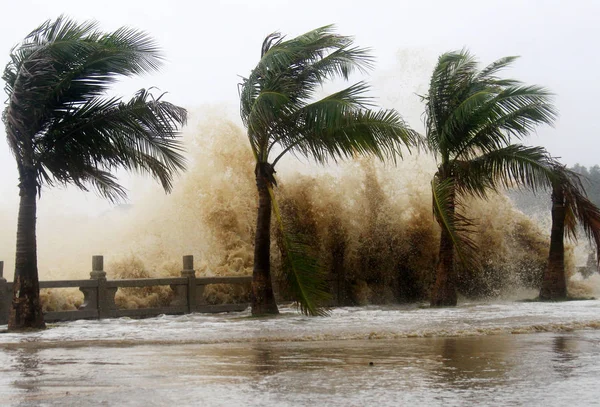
[(471, 119), (280, 113), (570, 207), (62, 129)]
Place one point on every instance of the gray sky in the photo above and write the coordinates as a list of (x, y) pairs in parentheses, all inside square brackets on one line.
[(209, 44)]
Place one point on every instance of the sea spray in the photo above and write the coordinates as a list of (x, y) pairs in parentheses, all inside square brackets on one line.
[(387, 238), (371, 223)]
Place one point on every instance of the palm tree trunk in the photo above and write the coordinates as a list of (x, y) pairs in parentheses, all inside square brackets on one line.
[(26, 309), (554, 282), (444, 289), (263, 299)]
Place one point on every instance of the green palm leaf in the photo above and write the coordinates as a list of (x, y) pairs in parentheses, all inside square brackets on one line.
[(446, 209), (276, 103), (334, 133), (513, 165), (579, 209), (303, 274), (59, 124), (468, 111), (62, 64), (138, 135)]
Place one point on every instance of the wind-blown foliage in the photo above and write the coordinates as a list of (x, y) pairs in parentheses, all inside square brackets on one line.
[(570, 207), (304, 276), (63, 129), (59, 118), (460, 228), (279, 110), (472, 118), (580, 210)]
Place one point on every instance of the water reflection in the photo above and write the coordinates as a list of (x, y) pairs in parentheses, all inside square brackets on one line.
[(488, 370), (565, 354), (27, 363), (263, 360), (474, 362), (29, 373)]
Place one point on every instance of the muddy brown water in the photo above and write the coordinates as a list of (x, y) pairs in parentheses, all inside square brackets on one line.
[(476, 354)]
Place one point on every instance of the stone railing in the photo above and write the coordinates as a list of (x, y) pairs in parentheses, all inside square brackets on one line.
[(99, 294)]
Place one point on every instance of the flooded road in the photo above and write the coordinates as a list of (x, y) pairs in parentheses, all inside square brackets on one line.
[(476, 354)]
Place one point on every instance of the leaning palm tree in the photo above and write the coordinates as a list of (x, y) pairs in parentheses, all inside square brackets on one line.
[(279, 110), (570, 207), (471, 119), (62, 129)]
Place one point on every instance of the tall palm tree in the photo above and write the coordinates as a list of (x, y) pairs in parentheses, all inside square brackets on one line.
[(62, 129), (471, 119), (570, 207), (279, 110)]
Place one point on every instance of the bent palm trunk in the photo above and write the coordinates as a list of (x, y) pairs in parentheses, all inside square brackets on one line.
[(263, 299), (26, 309), (554, 283)]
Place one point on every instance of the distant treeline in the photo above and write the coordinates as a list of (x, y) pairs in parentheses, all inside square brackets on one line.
[(539, 203), (591, 181)]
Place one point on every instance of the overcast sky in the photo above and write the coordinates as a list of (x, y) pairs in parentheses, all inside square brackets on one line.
[(208, 44)]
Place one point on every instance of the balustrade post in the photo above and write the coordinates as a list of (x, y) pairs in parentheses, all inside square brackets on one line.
[(189, 272), (98, 267), (100, 297), (5, 296)]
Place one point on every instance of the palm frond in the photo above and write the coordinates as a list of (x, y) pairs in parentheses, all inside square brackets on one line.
[(311, 48), (340, 63), (579, 208), (303, 274), (104, 183), (492, 117), (469, 112), (287, 76), (488, 73), (349, 133), (60, 67), (507, 167), (139, 135), (446, 209), (267, 110)]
